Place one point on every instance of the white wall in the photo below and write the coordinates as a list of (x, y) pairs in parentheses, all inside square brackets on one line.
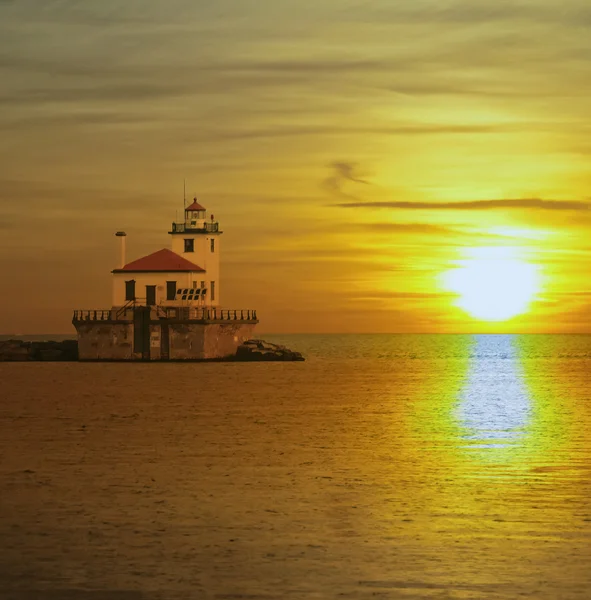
[(203, 257), (184, 280)]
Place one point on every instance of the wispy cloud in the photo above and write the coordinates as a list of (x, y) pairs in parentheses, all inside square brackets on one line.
[(343, 173), (385, 294), (408, 228), (509, 204), (458, 235)]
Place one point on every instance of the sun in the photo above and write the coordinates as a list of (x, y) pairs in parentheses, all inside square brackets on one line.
[(494, 285)]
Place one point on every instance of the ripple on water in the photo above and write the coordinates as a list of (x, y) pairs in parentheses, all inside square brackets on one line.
[(384, 466)]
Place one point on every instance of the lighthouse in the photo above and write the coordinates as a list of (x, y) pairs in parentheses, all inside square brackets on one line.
[(167, 305)]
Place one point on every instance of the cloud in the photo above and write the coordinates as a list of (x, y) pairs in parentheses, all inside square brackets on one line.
[(132, 69), (346, 172), (343, 170), (510, 204), (456, 235), (343, 173), (131, 92), (385, 294), (464, 13), (412, 228)]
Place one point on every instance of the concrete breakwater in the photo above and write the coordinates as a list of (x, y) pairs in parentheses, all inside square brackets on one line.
[(67, 350)]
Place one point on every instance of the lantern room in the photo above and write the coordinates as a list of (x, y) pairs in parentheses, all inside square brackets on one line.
[(195, 216)]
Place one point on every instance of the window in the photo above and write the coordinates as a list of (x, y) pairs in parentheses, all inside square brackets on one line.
[(212, 242), (213, 291), (129, 290), (202, 284), (170, 290), (189, 245)]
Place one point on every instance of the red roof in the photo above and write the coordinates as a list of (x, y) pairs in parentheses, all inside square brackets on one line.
[(162, 260), (195, 206)]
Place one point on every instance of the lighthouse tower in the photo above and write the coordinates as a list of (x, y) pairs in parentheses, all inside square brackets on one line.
[(197, 240)]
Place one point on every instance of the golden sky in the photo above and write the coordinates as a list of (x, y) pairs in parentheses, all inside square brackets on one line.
[(353, 151)]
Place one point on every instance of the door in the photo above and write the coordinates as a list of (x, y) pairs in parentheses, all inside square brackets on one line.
[(141, 331), (164, 342), (150, 295), (170, 290)]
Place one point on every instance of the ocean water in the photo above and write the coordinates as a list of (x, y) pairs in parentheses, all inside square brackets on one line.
[(401, 466)]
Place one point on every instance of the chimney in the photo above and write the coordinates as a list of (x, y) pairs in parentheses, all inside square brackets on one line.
[(122, 235)]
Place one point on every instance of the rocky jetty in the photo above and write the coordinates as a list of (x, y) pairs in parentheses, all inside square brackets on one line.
[(67, 350), (17, 350), (259, 350)]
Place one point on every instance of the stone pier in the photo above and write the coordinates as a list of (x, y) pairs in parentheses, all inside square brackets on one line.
[(162, 334)]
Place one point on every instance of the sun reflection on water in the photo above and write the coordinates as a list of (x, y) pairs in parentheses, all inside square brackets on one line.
[(494, 409)]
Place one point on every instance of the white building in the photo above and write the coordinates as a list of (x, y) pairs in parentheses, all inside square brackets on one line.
[(187, 275)]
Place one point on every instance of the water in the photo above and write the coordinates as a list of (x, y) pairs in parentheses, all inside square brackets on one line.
[(383, 467)]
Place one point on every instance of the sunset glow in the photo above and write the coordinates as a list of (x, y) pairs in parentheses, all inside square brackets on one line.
[(355, 154)]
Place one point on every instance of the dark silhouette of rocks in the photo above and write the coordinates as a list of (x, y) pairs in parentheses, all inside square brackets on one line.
[(259, 350), (67, 350), (17, 350)]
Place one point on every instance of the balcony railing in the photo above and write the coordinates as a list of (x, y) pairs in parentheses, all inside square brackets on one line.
[(212, 227), (174, 313)]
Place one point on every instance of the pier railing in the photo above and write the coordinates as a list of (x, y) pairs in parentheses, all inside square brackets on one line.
[(174, 313), (218, 314), (92, 315)]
